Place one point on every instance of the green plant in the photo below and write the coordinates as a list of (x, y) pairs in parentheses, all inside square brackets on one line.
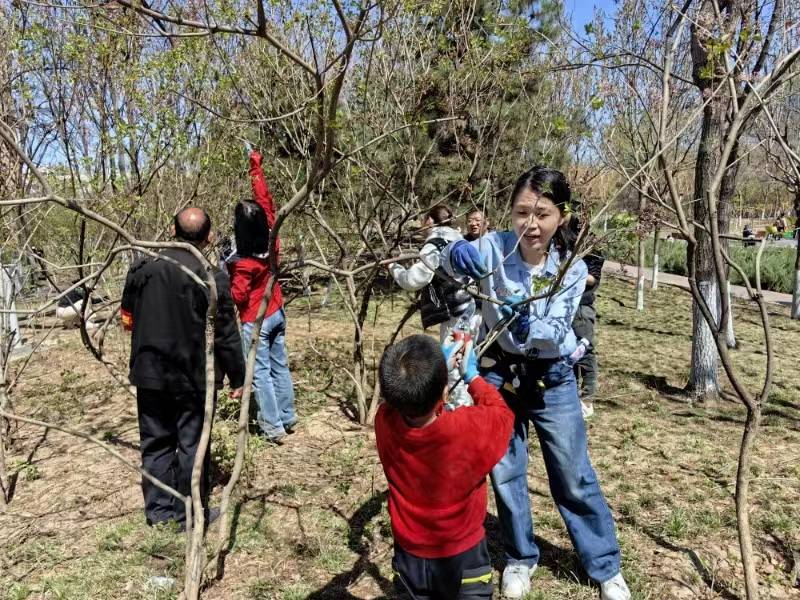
[(777, 264)]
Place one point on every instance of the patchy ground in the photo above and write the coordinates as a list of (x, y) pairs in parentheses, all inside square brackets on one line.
[(311, 521)]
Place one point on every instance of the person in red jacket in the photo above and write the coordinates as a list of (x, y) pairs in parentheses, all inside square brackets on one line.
[(436, 463), (250, 279)]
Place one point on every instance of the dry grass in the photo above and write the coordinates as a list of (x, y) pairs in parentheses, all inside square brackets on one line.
[(312, 520)]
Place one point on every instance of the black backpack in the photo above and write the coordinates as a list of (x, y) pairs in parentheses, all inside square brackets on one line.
[(443, 298)]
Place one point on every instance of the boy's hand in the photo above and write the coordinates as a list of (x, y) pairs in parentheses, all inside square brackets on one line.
[(452, 352), (469, 362)]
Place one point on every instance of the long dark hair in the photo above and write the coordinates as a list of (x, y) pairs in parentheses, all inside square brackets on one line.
[(441, 214), (548, 183), (250, 228)]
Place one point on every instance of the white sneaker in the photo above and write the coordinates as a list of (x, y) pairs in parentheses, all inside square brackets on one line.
[(516, 581), (615, 589), (587, 409)]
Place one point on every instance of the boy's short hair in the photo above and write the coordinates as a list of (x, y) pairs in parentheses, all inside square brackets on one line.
[(413, 375)]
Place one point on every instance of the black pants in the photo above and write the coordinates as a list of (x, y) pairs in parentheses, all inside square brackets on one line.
[(170, 424), (586, 367), (465, 575)]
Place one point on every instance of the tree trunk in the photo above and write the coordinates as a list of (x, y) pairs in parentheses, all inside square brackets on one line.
[(640, 266), (703, 378), (656, 246), (730, 337), (796, 295), (640, 277), (727, 192), (360, 373), (752, 421)]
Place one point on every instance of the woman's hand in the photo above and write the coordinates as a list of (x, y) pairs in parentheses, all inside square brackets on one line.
[(521, 326), (466, 260)]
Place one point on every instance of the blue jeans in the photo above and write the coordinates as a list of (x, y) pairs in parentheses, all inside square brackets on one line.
[(548, 398), (272, 382)]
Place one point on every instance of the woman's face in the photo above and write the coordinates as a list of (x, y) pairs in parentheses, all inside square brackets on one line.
[(535, 220)]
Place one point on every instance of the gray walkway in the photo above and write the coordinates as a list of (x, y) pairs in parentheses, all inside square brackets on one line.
[(738, 291)]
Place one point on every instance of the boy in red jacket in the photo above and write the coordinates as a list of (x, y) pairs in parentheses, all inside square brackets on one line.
[(436, 464)]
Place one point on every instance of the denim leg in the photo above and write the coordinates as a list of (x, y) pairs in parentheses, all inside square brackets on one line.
[(573, 483), (510, 483), (279, 369), (268, 417)]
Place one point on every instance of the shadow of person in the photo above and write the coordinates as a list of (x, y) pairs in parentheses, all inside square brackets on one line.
[(563, 562), (336, 588)]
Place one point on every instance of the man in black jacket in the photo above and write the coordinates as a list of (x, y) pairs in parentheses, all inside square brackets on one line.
[(165, 308)]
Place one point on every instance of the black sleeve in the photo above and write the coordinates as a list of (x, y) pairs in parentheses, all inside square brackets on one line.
[(594, 263), (227, 342), (129, 295)]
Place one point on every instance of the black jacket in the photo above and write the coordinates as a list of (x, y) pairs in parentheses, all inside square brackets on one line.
[(166, 310), (594, 263)]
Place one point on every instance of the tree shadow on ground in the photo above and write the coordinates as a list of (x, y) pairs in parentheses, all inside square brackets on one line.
[(336, 588), (722, 418), (708, 578), (651, 330), (653, 382), (14, 477)]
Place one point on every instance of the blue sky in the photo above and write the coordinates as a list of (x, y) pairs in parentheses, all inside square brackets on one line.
[(582, 11)]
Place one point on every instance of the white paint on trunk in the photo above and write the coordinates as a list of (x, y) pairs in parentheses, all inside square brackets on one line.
[(9, 325), (640, 291), (730, 336), (703, 377), (654, 283), (796, 296)]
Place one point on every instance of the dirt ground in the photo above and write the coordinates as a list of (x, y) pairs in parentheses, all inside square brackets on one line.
[(311, 519)]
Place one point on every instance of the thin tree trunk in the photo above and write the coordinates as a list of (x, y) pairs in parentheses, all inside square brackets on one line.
[(4, 428), (727, 193), (640, 266), (751, 426), (656, 246), (796, 294), (640, 277), (730, 337)]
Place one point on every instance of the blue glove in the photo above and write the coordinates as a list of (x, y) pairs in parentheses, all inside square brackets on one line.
[(466, 260), (469, 363), (450, 349), (521, 326)]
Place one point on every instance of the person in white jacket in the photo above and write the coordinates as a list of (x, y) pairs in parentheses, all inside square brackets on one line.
[(441, 301)]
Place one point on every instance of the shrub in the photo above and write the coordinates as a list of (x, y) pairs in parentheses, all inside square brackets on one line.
[(777, 264)]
